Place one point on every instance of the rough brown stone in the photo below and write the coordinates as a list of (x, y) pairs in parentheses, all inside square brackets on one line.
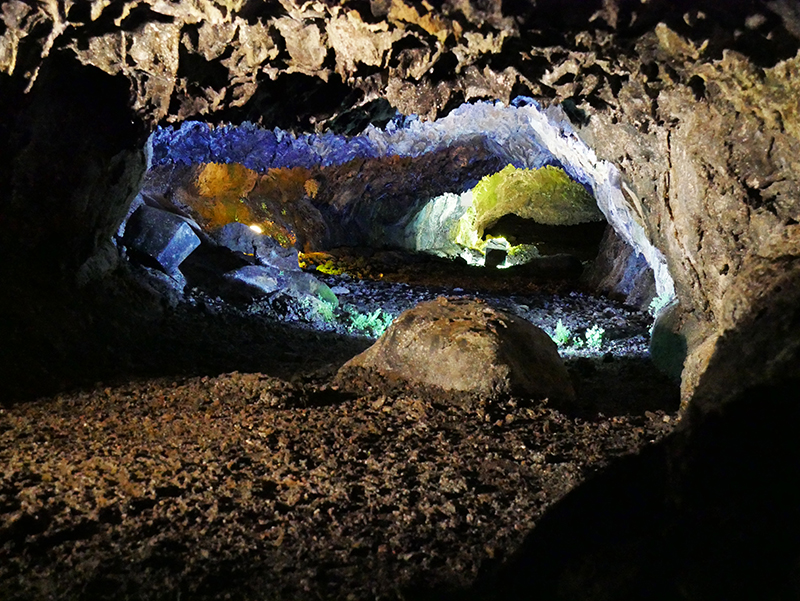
[(709, 171), (408, 45), (674, 332), (465, 345)]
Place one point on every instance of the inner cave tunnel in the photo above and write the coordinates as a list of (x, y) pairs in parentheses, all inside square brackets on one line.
[(280, 226), (394, 300)]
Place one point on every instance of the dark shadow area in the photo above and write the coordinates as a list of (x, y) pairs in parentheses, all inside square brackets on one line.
[(764, 32), (293, 102), (120, 330), (708, 514), (621, 386), (353, 121), (52, 161), (581, 240)]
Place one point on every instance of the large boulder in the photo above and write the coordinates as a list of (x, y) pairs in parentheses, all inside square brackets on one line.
[(160, 238), (465, 345)]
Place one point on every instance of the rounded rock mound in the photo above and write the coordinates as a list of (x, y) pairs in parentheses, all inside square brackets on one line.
[(467, 346)]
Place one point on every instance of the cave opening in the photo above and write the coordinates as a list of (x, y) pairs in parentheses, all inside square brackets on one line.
[(257, 445), (343, 233)]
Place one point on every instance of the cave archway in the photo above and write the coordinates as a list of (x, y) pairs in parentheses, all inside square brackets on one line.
[(522, 135), (480, 186)]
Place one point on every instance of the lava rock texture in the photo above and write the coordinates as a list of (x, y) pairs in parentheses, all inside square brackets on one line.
[(695, 102), (245, 486), (465, 345)]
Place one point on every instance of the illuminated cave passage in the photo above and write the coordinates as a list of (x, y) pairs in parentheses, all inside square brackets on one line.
[(476, 202), (471, 142)]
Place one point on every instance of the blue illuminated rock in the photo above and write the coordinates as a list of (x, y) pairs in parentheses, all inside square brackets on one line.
[(256, 281), (160, 238), (505, 128)]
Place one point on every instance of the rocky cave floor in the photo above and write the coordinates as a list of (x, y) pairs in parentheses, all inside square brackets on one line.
[(270, 483)]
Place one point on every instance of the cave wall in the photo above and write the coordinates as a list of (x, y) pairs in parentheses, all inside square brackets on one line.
[(710, 147), (695, 103), (71, 158)]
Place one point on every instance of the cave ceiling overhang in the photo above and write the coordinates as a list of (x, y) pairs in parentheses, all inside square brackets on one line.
[(302, 64)]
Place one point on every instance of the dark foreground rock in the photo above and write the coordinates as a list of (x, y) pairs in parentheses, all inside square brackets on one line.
[(711, 513), (245, 486)]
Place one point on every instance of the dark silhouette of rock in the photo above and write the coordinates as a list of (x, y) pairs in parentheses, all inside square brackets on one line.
[(242, 238), (711, 513)]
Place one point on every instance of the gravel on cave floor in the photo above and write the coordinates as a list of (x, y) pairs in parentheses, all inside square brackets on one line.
[(252, 486)]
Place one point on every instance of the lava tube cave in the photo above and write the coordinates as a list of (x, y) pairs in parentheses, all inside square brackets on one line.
[(392, 300)]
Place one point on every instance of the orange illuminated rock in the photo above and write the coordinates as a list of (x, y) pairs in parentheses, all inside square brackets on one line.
[(226, 181)]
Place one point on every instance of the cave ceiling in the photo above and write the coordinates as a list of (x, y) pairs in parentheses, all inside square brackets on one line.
[(300, 64)]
